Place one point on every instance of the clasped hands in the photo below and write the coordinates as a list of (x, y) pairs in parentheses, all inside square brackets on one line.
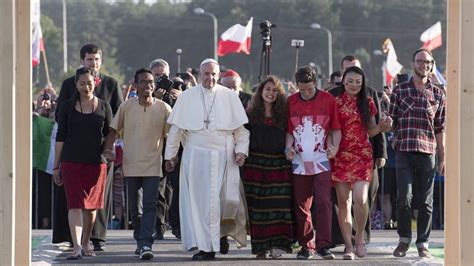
[(385, 123)]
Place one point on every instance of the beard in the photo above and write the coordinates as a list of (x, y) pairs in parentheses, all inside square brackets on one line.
[(421, 74)]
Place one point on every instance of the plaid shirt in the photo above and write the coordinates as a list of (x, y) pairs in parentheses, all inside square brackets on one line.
[(418, 115)]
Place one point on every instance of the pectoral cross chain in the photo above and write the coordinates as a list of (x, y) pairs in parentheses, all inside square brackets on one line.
[(207, 121)]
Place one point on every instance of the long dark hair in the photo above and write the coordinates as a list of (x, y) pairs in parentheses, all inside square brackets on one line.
[(256, 110), (362, 98)]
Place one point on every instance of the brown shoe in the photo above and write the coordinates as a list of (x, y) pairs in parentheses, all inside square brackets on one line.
[(401, 250), (424, 252)]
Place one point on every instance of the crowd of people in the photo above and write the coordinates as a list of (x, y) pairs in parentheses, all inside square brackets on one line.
[(291, 168)]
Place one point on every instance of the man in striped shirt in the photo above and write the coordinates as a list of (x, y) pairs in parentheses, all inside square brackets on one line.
[(418, 109)]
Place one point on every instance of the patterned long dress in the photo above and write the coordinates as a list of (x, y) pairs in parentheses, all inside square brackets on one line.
[(354, 160), (268, 189)]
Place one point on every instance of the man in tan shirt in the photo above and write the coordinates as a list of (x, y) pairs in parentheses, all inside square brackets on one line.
[(142, 124)]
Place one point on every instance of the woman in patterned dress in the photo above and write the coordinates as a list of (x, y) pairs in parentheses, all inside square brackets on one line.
[(266, 175), (353, 165)]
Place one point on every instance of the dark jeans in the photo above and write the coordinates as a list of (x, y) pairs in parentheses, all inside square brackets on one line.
[(143, 218), (164, 198), (413, 166)]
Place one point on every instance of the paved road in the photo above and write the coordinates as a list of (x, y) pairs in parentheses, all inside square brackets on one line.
[(120, 248)]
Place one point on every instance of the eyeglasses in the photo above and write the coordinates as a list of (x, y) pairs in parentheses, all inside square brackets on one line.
[(146, 82), (426, 62)]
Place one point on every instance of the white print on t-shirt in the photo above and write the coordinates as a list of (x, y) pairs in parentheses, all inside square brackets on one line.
[(310, 156)]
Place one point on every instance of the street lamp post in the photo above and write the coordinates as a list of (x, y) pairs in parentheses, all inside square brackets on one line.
[(178, 53), (200, 11), (317, 26), (64, 37)]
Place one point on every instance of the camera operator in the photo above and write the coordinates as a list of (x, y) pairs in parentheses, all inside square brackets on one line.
[(46, 102), (164, 90)]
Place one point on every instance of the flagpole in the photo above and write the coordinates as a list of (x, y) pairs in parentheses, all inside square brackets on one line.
[(46, 69)]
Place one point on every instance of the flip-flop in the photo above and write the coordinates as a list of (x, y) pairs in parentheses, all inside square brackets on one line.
[(72, 257)]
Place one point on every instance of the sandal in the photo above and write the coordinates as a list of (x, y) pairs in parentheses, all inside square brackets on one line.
[(274, 253)]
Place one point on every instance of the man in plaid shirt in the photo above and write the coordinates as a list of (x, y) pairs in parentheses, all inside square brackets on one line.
[(418, 109)]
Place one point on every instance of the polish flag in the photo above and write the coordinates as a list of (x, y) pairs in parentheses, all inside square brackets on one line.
[(236, 39), (392, 66), (37, 41), (431, 37)]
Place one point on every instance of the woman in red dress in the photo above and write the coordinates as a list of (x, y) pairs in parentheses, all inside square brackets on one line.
[(353, 165), (83, 123)]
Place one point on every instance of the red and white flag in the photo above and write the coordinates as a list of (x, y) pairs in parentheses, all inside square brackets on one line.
[(37, 40), (431, 37), (392, 66), (236, 39)]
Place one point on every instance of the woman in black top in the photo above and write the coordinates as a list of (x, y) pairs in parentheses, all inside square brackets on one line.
[(82, 125)]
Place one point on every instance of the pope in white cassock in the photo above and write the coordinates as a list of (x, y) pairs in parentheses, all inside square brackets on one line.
[(209, 121)]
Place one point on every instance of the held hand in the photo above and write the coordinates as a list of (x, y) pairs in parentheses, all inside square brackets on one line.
[(240, 158), (290, 153), (57, 178), (331, 152), (380, 162), (385, 123), (170, 164)]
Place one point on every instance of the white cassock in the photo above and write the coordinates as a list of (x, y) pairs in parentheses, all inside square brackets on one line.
[(212, 204)]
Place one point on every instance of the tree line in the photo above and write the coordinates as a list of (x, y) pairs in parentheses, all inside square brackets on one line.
[(133, 33)]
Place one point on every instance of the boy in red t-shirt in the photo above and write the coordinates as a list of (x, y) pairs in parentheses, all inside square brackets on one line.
[(313, 138)]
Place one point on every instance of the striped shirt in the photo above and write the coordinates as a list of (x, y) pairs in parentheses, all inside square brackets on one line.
[(418, 115)]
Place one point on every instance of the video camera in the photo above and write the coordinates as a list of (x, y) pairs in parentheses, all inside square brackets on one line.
[(46, 96), (164, 82), (265, 28)]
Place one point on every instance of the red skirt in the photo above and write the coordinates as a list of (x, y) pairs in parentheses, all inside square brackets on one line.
[(84, 184)]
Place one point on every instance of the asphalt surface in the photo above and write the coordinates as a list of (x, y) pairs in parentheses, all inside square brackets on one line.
[(121, 246)]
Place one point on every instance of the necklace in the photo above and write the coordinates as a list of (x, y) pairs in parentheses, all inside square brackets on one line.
[(207, 113)]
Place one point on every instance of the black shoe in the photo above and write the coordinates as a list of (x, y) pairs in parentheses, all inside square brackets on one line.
[(137, 252), (224, 245), (158, 236), (326, 254), (98, 245), (204, 256), (304, 254), (146, 253)]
